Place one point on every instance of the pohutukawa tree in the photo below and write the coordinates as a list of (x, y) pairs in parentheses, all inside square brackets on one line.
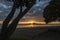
[(8, 29), (52, 11)]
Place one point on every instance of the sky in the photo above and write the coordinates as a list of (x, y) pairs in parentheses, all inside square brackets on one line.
[(36, 12)]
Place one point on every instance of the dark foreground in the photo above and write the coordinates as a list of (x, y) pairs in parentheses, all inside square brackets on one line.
[(37, 33)]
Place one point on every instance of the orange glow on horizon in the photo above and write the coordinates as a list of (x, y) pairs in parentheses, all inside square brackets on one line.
[(33, 22)]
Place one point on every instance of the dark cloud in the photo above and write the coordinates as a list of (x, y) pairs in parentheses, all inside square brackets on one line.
[(35, 12)]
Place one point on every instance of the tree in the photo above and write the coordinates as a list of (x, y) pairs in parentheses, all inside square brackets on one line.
[(52, 11), (7, 29)]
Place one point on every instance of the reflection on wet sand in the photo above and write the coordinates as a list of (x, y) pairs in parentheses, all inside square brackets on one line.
[(32, 26)]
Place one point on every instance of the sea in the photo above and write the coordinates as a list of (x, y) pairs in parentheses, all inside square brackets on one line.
[(33, 32)]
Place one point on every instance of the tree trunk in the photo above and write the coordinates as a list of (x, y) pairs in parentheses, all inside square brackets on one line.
[(13, 25), (6, 22), (7, 30)]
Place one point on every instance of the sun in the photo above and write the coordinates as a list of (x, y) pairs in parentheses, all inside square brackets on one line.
[(31, 21)]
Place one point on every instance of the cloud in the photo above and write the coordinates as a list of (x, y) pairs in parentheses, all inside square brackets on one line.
[(35, 12), (1, 11), (4, 6)]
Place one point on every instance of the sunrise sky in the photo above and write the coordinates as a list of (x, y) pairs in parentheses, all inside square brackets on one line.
[(36, 11), (35, 14)]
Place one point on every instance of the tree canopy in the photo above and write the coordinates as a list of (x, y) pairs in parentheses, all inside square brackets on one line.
[(52, 11)]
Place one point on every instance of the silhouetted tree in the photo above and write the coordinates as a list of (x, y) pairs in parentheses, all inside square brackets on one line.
[(7, 29), (52, 11)]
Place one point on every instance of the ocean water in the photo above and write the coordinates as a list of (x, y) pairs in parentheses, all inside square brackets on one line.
[(33, 26), (33, 31)]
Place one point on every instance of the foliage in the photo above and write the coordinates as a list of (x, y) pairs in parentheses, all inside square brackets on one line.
[(52, 11)]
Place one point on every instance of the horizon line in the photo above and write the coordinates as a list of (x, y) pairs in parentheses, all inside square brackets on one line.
[(37, 23)]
